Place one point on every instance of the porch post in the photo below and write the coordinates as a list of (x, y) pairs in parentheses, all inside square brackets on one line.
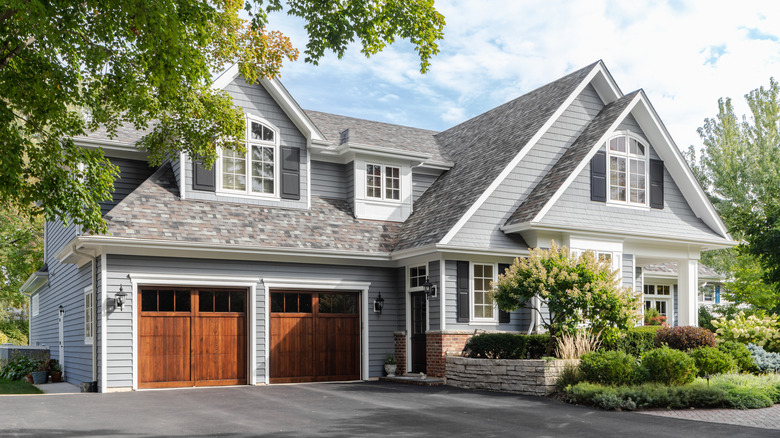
[(687, 292)]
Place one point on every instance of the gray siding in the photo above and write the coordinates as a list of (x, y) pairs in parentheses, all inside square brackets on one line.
[(65, 288), (420, 183), (255, 100), (349, 181), (628, 270), (381, 326), (434, 304), (676, 219), (483, 228), (674, 304), (638, 280), (519, 320), (328, 180), (131, 174)]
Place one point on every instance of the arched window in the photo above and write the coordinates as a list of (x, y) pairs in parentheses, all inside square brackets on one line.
[(627, 158)]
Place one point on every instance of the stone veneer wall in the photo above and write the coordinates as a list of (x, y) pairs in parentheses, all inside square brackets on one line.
[(524, 376), (400, 352), (440, 344)]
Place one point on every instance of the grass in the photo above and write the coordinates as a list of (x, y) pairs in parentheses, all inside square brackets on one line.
[(18, 387)]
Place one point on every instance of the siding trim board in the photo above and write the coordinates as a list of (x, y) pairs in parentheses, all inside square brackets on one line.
[(137, 280)]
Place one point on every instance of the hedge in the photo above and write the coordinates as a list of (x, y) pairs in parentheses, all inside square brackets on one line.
[(507, 346)]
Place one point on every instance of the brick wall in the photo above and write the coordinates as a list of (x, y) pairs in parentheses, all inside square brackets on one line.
[(400, 352), (440, 344)]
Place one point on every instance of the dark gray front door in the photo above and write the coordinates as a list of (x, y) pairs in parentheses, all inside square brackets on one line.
[(418, 332)]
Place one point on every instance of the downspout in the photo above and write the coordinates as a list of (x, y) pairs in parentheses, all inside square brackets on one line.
[(532, 325), (94, 316)]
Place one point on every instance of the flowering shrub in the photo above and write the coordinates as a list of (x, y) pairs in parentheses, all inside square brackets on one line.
[(653, 317), (684, 338), (761, 331)]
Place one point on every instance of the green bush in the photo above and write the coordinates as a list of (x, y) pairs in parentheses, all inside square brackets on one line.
[(763, 331), (610, 368), (711, 361), (741, 355), (507, 346), (684, 338), (635, 341), (668, 366), (571, 375), (765, 362), (14, 331), (648, 395), (705, 318), (18, 367), (744, 391)]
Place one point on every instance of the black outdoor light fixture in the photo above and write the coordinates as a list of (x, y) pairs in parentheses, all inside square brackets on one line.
[(119, 298), (62, 310), (379, 303), (429, 288)]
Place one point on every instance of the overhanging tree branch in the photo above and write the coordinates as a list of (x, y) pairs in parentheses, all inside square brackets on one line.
[(15, 52)]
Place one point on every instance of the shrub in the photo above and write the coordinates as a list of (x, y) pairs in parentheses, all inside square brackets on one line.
[(765, 362), (571, 375), (684, 338), (536, 345), (19, 367), (634, 341), (13, 331), (574, 346), (610, 368), (648, 395), (763, 331), (741, 355), (705, 318), (710, 361), (744, 391), (507, 346), (654, 317), (668, 366)]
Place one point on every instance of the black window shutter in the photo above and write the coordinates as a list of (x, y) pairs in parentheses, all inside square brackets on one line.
[(203, 178), (503, 317), (291, 173), (463, 291), (656, 184), (598, 177)]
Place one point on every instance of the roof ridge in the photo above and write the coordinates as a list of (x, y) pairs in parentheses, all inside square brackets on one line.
[(371, 121)]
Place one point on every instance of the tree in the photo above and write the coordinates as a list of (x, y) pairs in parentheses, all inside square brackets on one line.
[(21, 250), (571, 291), (739, 168), (68, 67)]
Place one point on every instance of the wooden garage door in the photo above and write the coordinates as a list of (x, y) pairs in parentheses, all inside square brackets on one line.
[(191, 337), (315, 336)]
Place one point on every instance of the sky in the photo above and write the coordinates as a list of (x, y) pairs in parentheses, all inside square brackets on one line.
[(684, 54)]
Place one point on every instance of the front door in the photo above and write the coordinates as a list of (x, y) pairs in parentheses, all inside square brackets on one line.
[(418, 332)]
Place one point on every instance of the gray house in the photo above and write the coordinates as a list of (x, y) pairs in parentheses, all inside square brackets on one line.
[(270, 266)]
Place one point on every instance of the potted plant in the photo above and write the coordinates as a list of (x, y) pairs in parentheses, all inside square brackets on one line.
[(55, 370), (41, 375), (390, 365)]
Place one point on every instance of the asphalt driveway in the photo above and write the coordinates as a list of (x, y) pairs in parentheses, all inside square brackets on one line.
[(333, 409)]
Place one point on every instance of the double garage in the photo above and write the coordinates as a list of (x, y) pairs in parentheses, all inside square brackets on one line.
[(199, 336)]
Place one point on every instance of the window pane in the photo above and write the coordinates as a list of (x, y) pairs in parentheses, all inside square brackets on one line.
[(206, 301), (350, 304), (268, 186), (488, 312), (268, 135), (291, 303), (478, 312), (237, 301), (256, 131), (182, 300), (148, 300), (221, 302), (304, 303), (165, 300), (240, 182), (277, 302), (325, 303), (648, 304), (488, 270)]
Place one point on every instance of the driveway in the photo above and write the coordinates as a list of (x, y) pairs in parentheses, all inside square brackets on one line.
[(333, 409)]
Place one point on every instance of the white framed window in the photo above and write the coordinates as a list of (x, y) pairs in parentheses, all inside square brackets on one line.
[(659, 297), (627, 165), (482, 306), (34, 304), (254, 172), (89, 316), (417, 276), (383, 182)]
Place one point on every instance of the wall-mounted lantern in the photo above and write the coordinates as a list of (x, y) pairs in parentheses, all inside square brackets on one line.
[(429, 288), (379, 303), (119, 298)]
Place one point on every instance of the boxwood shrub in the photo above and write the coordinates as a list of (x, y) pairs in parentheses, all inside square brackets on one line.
[(635, 341), (610, 368), (711, 361), (507, 346), (741, 355), (668, 366), (684, 338)]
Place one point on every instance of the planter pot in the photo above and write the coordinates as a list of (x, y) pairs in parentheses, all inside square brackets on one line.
[(39, 377), (390, 370), (56, 376), (28, 378)]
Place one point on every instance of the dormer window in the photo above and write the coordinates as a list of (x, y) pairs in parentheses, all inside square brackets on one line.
[(383, 182), (255, 171), (627, 158)]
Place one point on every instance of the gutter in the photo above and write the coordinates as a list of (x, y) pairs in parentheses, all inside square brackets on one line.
[(94, 383)]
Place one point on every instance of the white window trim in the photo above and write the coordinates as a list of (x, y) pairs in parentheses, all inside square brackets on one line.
[(472, 318), (617, 258), (248, 193), (89, 309), (382, 183), (628, 156), (35, 304), (409, 276)]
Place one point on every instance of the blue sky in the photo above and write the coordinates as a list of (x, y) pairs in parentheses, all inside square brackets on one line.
[(685, 54)]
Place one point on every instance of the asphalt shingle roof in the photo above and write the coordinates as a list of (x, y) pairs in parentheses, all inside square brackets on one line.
[(154, 211), (125, 132), (569, 161), (481, 148), (380, 134)]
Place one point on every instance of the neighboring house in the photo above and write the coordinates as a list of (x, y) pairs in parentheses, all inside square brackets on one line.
[(269, 267), (660, 290)]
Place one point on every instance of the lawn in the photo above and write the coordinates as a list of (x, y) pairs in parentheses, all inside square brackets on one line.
[(18, 387)]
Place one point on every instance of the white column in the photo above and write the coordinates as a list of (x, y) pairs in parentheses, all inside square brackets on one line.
[(687, 292)]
